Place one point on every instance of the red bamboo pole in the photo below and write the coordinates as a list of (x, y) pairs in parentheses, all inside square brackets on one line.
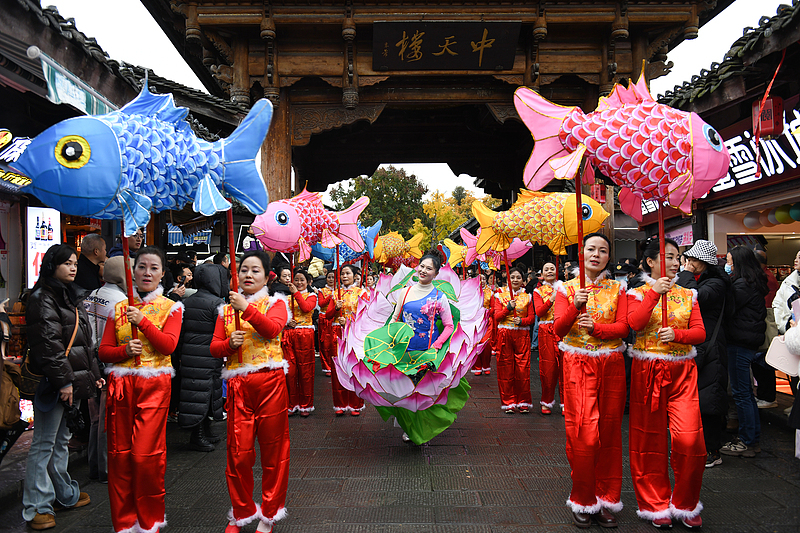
[(234, 273), (126, 253), (508, 280), (338, 271), (661, 251), (579, 206), (291, 270)]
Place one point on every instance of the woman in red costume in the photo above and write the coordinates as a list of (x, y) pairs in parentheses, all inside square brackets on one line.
[(664, 396), (514, 316), (257, 398), (342, 306), (484, 360), (298, 345), (140, 372), (550, 357), (327, 339), (591, 323)]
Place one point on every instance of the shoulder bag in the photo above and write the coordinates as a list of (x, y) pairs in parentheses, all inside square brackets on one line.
[(29, 380)]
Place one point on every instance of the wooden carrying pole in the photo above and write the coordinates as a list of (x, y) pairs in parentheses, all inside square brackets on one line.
[(126, 253), (508, 281), (579, 207), (234, 273)]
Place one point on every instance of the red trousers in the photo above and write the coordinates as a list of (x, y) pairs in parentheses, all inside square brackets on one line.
[(514, 367), (136, 424), (484, 360), (256, 408), (664, 401), (343, 399), (594, 400), (298, 350), (327, 344), (550, 363)]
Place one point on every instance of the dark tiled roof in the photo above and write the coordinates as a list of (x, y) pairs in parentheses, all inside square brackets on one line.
[(133, 75), (733, 64)]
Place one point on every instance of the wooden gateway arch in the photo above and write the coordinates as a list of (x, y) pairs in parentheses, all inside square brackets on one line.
[(359, 82)]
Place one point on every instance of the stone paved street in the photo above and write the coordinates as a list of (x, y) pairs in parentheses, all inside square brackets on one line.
[(489, 472)]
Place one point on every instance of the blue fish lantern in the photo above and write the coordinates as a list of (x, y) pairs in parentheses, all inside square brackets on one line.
[(347, 254), (145, 157)]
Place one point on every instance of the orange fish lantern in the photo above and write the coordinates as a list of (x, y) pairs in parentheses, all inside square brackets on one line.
[(392, 250)]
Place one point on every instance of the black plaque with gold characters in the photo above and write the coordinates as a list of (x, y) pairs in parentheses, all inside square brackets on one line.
[(444, 45)]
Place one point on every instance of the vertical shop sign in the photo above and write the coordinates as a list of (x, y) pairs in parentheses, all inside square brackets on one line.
[(43, 231)]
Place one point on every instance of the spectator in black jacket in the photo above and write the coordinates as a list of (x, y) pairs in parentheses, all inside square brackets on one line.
[(745, 333), (93, 253), (201, 381), (712, 285), (135, 242), (54, 315)]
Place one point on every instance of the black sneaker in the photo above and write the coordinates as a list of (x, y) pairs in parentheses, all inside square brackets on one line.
[(713, 459)]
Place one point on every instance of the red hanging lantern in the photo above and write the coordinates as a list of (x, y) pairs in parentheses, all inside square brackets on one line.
[(598, 192), (770, 122)]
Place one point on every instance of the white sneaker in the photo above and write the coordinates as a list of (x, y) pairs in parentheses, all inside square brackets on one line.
[(788, 410), (764, 404)]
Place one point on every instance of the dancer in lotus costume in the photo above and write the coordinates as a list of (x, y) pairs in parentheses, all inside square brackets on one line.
[(408, 350)]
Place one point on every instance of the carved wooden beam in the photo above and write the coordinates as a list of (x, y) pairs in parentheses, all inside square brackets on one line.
[(501, 112), (307, 120)]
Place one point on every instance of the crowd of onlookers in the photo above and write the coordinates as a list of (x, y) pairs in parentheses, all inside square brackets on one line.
[(743, 307)]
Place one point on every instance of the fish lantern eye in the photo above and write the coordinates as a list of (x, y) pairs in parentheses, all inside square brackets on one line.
[(712, 137), (73, 151), (281, 218), (586, 211)]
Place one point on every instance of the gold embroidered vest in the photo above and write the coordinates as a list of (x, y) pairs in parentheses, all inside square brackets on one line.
[(522, 299), (602, 306), (156, 311), (546, 292), (256, 350), (302, 319), (679, 310)]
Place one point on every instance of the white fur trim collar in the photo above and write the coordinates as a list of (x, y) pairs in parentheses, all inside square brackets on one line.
[(150, 296), (263, 292), (177, 306), (141, 371), (249, 369), (282, 297)]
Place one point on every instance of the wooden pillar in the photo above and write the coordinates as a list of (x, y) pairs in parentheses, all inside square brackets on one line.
[(240, 86), (638, 54), (276, 159)]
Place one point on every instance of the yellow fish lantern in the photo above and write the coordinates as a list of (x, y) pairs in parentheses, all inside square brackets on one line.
[(548, 219), (458, 253), (391, 248)]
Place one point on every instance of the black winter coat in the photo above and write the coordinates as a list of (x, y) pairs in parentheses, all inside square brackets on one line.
[(201, 373), (50, 318), (748, 324), (713, 289)]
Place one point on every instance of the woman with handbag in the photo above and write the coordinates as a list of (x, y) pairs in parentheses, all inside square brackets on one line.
[(60, 341), (712, 285)]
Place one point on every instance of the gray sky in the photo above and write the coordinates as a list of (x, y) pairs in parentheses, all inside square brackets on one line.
[(100, 19)]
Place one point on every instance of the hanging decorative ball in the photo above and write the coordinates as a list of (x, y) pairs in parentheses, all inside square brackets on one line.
[(772, 218), (794, 211), (751, 220), (782, 214), (764, 218)]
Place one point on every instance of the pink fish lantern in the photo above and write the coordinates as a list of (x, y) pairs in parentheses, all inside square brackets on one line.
[(295, 224), (653, 151), (516, 249)]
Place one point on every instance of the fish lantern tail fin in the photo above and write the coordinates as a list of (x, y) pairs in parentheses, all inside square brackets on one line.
[(488, 239), (453, 257), (470, 241), (378, 251), (413, 245), (348, 224), (630, 203), (242, 177), (543, 118), (372, 238)]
